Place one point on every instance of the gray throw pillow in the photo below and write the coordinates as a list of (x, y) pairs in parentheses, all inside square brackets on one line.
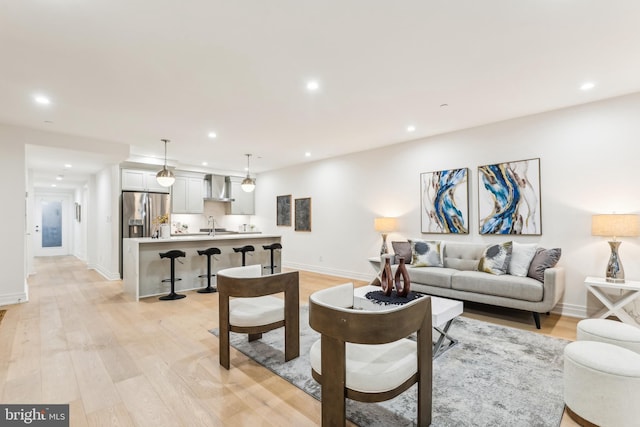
[(402, 249), (543, 259), (495, 259), (426, 253)]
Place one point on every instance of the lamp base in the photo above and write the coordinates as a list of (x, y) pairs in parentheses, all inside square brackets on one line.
[(383, 249), (615, 271)]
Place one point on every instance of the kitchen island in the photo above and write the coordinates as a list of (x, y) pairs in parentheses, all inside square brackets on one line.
[(143, 270)]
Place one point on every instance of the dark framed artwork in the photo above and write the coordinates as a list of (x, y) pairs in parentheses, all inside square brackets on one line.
[(509, 198), (444, 201), (283, 210), (303, 214)]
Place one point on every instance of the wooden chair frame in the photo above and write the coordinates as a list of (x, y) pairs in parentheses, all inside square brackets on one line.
[(249, 287), (338, 326)]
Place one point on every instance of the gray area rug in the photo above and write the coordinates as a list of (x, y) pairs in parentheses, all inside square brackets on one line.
[(495, 376)]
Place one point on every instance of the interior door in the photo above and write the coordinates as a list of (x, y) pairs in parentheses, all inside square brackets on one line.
[(51, 225)]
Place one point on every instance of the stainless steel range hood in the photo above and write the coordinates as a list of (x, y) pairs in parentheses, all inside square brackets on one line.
[(217, 188)]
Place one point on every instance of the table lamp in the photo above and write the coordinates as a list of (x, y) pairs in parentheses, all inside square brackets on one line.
[(384, 226), (615, 225)]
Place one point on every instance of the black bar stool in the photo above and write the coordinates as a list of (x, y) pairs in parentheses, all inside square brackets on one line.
[(244, 250), (272, 247), (208, 252), (172, 255)]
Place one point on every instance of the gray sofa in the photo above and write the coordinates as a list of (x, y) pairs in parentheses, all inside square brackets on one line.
[(459, 279)]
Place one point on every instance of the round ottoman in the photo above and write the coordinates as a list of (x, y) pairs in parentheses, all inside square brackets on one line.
[(602, 383), (609, 331)]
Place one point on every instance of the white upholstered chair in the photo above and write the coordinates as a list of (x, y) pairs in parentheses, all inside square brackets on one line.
[(366, 354), (247, 305), (602, 374)]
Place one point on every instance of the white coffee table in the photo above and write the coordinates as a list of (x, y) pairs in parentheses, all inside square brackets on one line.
[(443, 311)]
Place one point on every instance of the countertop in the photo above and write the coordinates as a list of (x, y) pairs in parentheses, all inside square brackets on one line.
[(205, 237)]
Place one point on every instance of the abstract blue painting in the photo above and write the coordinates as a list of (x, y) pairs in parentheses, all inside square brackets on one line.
[(445, 201), (509, 198)]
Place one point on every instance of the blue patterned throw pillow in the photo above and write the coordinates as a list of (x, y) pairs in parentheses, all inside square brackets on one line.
[(495, 259), (426, 253)]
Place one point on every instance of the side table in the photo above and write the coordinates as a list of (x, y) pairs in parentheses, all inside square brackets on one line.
[(630, 290)]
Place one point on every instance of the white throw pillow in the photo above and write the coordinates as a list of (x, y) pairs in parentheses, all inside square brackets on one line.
[(426, 253), (521, 256)]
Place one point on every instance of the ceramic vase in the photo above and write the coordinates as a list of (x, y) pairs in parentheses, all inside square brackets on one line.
[(402, 282), (165, 231), (386, 278)]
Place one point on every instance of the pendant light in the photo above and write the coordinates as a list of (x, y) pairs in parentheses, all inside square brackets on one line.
[(248, 184), (165, 176)]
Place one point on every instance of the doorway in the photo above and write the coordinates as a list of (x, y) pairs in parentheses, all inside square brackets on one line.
[(52, 220)]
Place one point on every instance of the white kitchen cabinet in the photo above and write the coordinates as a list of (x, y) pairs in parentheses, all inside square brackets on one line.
[(243, 203), (187, 194), (141, 180)]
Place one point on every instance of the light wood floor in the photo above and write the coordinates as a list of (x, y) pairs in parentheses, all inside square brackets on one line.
[(80, 341)]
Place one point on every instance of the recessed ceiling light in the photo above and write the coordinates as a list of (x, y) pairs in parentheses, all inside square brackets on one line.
[(48, 122), (587, 86), (53, 185), (204, 163), (68, 166), (212, 135), (307, 154), (42, 100), (444, 105), (59, 178), (411, 128), (313, 85)]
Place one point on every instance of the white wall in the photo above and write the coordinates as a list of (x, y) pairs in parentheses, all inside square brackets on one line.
[(13, 288), (588, 163)]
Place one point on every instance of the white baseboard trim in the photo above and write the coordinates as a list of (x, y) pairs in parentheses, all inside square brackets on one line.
[(104, 272), (15, 298), (331, 271), (570, 310)]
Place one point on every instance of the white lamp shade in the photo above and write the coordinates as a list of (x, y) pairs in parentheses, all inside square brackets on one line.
[(165, 178), (385, 225), (615, 225)]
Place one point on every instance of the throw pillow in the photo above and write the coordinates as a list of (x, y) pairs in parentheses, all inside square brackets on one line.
[(495, 259), (521, 256), (402, 249), (544, 258), (426, 253)]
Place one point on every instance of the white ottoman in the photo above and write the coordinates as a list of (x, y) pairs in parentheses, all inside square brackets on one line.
[(602, 383), (609, 331)]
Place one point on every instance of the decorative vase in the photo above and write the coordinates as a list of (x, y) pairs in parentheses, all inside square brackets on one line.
[(401, 273), (165, 231), (386, 278)]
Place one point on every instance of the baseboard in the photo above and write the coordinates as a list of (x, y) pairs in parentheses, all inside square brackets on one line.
[(104, 272), (330, 271), (570, 310), (15, 298)]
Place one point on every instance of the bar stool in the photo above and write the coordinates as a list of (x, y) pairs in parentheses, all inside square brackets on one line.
[(244, 250), (172, 255), (272, 247), (208, 252)]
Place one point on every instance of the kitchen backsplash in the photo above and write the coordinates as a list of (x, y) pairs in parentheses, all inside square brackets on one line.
[(194, 222)]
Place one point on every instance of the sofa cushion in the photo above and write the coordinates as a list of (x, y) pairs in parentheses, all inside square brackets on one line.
[(433, 276), (462, 256), (495, 259), (402, 249), (521, 256), (426, 253), (508, 286), (544, 258)]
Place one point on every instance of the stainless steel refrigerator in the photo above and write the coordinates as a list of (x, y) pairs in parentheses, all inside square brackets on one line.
[(138, 212)]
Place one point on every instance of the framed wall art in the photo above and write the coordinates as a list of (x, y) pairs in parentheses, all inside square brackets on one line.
[(445, 201), (283, 211), (303, 214), (509, 198)]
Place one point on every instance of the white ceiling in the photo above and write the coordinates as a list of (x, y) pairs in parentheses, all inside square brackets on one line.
[(136, 71)]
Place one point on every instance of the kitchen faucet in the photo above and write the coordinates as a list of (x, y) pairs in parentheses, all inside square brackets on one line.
[(211, 222)]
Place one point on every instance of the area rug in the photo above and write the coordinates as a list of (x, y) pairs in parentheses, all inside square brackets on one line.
[(495, 376)]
